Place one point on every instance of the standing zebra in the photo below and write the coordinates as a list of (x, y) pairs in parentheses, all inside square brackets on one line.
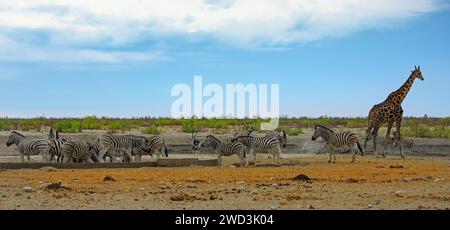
[(155, 144), (95, 148), (337, 140), (77, 151), (222, 149), (121, 143), (28, 147), (195, 144), (261, 143), (405, 142), (281, 136)]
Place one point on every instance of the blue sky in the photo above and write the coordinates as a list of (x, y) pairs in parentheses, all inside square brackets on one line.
[(335, 58)]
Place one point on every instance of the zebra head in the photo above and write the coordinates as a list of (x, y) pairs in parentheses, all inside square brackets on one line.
[(320, 131), (14, 138), (50, 134), (195, 141), (283, 139), (210, 141)]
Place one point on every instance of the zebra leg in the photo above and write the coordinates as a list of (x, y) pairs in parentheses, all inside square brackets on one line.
[(330, 153), (219, 159), (353, 153), (334, 156), (101, 156), (249, 156), (254, 158), (278, 155), (22, 157)]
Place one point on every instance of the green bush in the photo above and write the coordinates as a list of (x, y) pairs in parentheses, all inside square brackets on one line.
[(117, 125), (90, 122), (5, 125), (151, 130), (188, 126), (68, 126)]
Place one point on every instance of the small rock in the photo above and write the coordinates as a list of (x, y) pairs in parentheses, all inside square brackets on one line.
[(302, 177), (49, 169), (407, 179), (240, 189), (233, 166), (254, 191), (108, 178), (271, 207), (373, 203), (191, 186), (311, 207), (213, 197), (396, 167), (240, 183), (425, 178), (27, 189), (399, 193), (4, 196)]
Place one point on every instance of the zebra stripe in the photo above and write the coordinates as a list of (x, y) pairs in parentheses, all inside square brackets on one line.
[(121, 143), (222, 149), (337, 140), (77, 151), (56, 149), (406, 142), (281, 136), (28, 147), (261, 143)]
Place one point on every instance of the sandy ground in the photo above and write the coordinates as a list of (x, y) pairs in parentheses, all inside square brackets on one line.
[(371, 183)]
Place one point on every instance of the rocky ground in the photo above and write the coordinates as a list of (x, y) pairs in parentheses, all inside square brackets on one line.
[(304, 182)]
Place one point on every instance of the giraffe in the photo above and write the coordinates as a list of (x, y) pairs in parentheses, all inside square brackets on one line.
[(390, 111)]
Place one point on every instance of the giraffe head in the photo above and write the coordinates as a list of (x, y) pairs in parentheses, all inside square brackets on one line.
[(417, 73)]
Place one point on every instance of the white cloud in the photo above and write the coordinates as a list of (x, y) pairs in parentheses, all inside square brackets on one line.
[(246, 23)]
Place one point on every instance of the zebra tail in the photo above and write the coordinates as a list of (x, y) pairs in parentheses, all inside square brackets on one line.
[(360, 149), (165, 149)]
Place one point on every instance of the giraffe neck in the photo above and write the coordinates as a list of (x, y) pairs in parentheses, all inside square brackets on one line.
[(399, 95)]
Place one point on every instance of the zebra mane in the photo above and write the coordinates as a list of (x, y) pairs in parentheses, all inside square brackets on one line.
[(214, 138), (326, 128), (19, 134)]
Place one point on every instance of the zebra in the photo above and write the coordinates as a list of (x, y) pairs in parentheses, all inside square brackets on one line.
[(55, 145), (222, 149), (195, 144), (77, 151), (120, 143), (405, 142), (28, 147), (281, 136), (261, 143), (95, 148), (336, 140), (155, 144)]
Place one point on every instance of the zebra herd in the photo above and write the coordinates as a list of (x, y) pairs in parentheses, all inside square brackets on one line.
[(132, 147), (52, 147)]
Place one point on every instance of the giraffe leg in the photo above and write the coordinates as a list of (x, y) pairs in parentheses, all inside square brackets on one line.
[(388, 134), (374, 136), (399, 139), (368, 134)]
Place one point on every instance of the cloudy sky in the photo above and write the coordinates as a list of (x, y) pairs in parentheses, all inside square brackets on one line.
[(121, 58)]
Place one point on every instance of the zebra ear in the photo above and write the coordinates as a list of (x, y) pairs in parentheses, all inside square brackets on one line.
[(57, 135)]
